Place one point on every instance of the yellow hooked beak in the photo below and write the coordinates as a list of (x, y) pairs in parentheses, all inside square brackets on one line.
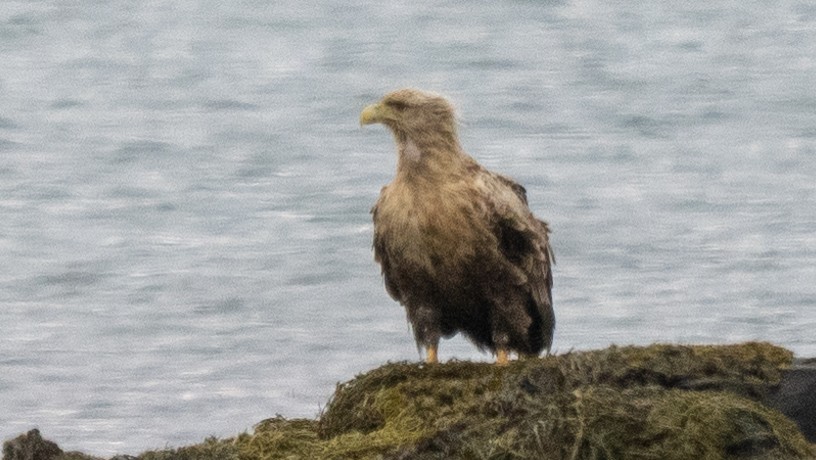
[(376, 113)]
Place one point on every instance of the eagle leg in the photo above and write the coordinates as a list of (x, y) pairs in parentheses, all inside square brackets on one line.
[(426, 324), (502, 356), (431, 356), (501, 344)]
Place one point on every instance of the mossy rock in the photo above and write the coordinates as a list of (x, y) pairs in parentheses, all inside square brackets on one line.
[(657, 402), (663, 401)]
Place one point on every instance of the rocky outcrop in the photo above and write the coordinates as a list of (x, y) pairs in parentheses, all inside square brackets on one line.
[(795, 396), (661, 401)]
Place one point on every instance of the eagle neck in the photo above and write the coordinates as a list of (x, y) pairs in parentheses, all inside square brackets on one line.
[(422, 159)]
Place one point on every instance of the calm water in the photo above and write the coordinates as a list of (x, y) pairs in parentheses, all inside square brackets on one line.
[(184, 191)]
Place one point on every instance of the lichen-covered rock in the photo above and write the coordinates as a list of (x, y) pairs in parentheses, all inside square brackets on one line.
[(663, 401)]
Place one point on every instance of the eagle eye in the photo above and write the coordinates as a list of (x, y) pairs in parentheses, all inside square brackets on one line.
[(397, 105)]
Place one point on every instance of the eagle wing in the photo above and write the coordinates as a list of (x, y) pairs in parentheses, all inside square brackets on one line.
[(524, 241), (381, 254)]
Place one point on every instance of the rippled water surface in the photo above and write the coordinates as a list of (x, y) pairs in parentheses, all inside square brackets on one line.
[(184, 191)]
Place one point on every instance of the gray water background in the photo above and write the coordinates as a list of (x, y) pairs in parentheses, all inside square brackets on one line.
[(184, 190)]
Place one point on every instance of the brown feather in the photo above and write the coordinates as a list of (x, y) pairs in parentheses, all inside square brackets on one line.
[(457, 244)]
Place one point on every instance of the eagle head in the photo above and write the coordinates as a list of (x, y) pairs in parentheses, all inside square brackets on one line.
[(413, 114)]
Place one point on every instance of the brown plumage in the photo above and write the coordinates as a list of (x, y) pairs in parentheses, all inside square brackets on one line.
[(458, 246)]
